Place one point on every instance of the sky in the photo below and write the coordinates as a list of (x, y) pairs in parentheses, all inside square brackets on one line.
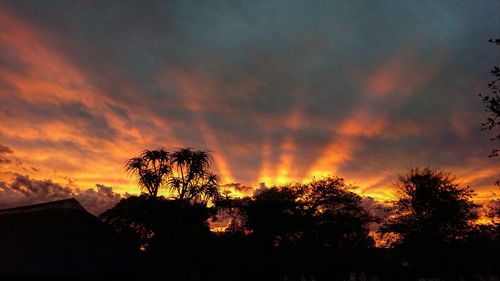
[(278, 91)]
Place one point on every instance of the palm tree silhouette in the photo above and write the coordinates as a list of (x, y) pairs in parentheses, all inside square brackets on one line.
[(151, 168), (190, 176)]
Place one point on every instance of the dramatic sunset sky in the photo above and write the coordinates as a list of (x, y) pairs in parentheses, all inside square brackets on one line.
[(278, 90)]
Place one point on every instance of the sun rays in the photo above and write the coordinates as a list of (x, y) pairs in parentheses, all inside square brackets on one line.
[(268, 117)]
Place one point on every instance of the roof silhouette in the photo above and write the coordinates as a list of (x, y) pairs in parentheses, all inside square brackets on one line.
[(70, 203), (59, 238)]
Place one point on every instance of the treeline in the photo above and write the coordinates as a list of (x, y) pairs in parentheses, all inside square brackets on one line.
[(314, 231)]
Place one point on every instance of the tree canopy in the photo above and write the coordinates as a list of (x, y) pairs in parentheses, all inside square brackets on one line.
[(190, 176), (430, 207), (185, 172), (150, 168), (323, 212), (492, 103), (318, 229)]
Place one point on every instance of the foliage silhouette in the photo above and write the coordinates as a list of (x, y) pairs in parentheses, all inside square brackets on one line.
[(136, 217), (317, 229), (190, 176), (150, 219), (323, 211), (175, 229), (305, 231), (150, 167), (274, 217), (433, 220), (492, 102), (431, 206), (338, 218), (175, 232), (184, 172)]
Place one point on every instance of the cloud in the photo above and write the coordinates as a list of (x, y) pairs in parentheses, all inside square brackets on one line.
[(23, 190), (236, 189), (379, 209), (5, 149), (493, 207), (277, 91), (98, 200)]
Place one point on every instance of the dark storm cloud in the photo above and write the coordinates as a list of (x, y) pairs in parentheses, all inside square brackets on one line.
[(266, 82)]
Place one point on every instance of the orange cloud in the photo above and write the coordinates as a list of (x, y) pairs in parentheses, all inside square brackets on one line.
[(62, 148), (194, 89), (401, 75), (284, 170), (337, 152), (48, 79), (264, 175), (362, 123)]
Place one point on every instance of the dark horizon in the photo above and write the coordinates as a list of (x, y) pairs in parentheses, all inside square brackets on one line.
[(314, 231)]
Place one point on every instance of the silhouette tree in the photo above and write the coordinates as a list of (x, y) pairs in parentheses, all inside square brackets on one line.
[(339, 219), (173, 234), (190, 177), (324, 212), (430, 207), (318, 228), (433, 219), (151, 168), (184, 172), (134, 217), (492, 102), (274, 216), (484, 241), (174, 230)]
